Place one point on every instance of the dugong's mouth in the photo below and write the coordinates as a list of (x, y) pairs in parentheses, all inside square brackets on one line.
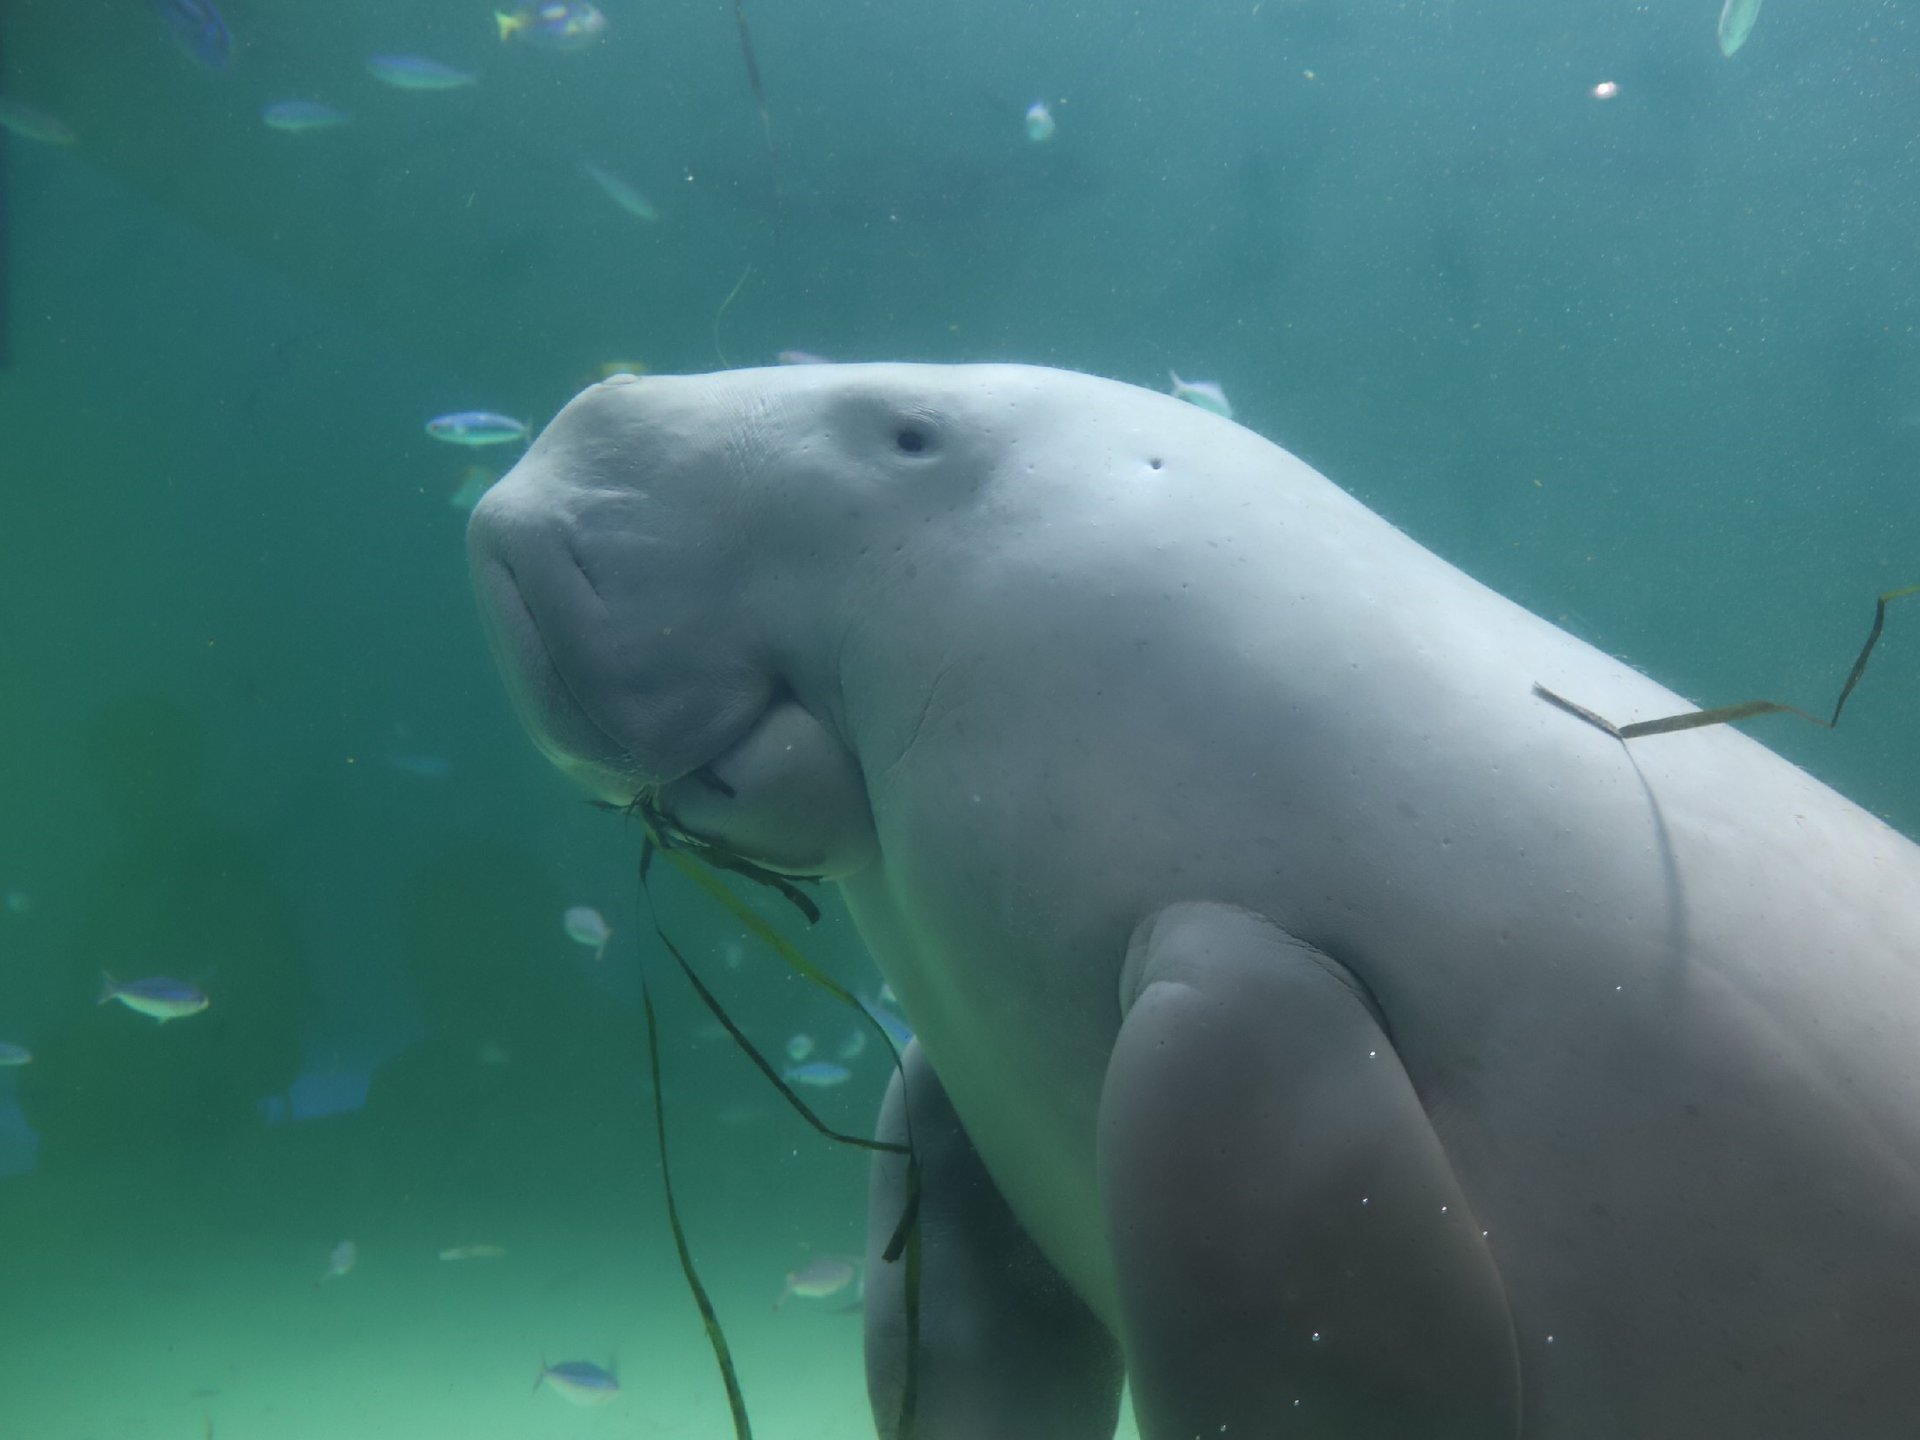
[(626, 674), (557, 717), (559, 721), (718, 752)]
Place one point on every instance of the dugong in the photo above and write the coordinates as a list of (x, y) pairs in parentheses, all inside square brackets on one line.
[(1317, 1030)]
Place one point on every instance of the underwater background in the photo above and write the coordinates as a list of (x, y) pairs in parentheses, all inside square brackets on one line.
[(1620, 324)]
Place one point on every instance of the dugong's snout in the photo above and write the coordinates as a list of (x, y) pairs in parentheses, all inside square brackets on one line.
[(598, 578), (535, 603)]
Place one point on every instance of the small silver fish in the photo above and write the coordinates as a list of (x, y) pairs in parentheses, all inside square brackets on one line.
[(418, 72), (11, 1055), (620, 192), (341, 1260), (898, 1031), (477, 427), (818, 1279), (420, 764), (158, 996), (1204, 393), (198, 29), (19, 118), (474, 1252), (580, 1382), (1736, 24), (819, 1074), (297, 116), (587, 926), (475, 481), (562, 26)]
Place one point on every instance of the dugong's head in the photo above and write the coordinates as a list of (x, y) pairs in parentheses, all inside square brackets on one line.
[(672, 573)]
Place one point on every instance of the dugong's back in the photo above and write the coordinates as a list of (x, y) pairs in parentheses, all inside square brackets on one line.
[(1697, 1137)]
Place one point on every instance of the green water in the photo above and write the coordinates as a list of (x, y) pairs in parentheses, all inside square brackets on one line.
[(1647, 364)]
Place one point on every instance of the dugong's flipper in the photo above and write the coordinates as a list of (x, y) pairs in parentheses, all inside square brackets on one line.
[(1288, 1236), (1006, 1349)]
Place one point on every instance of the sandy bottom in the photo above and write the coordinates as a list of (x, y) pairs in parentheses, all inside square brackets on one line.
[(181, 1334), (138, 1310)]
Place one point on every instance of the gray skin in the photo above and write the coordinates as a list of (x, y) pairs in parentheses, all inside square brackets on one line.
[(1313, 1022)]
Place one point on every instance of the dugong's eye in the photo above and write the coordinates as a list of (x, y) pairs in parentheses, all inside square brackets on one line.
[(912, 440)]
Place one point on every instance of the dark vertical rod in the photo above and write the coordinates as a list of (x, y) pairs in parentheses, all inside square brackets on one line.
[(6, 235), (759, 91)]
